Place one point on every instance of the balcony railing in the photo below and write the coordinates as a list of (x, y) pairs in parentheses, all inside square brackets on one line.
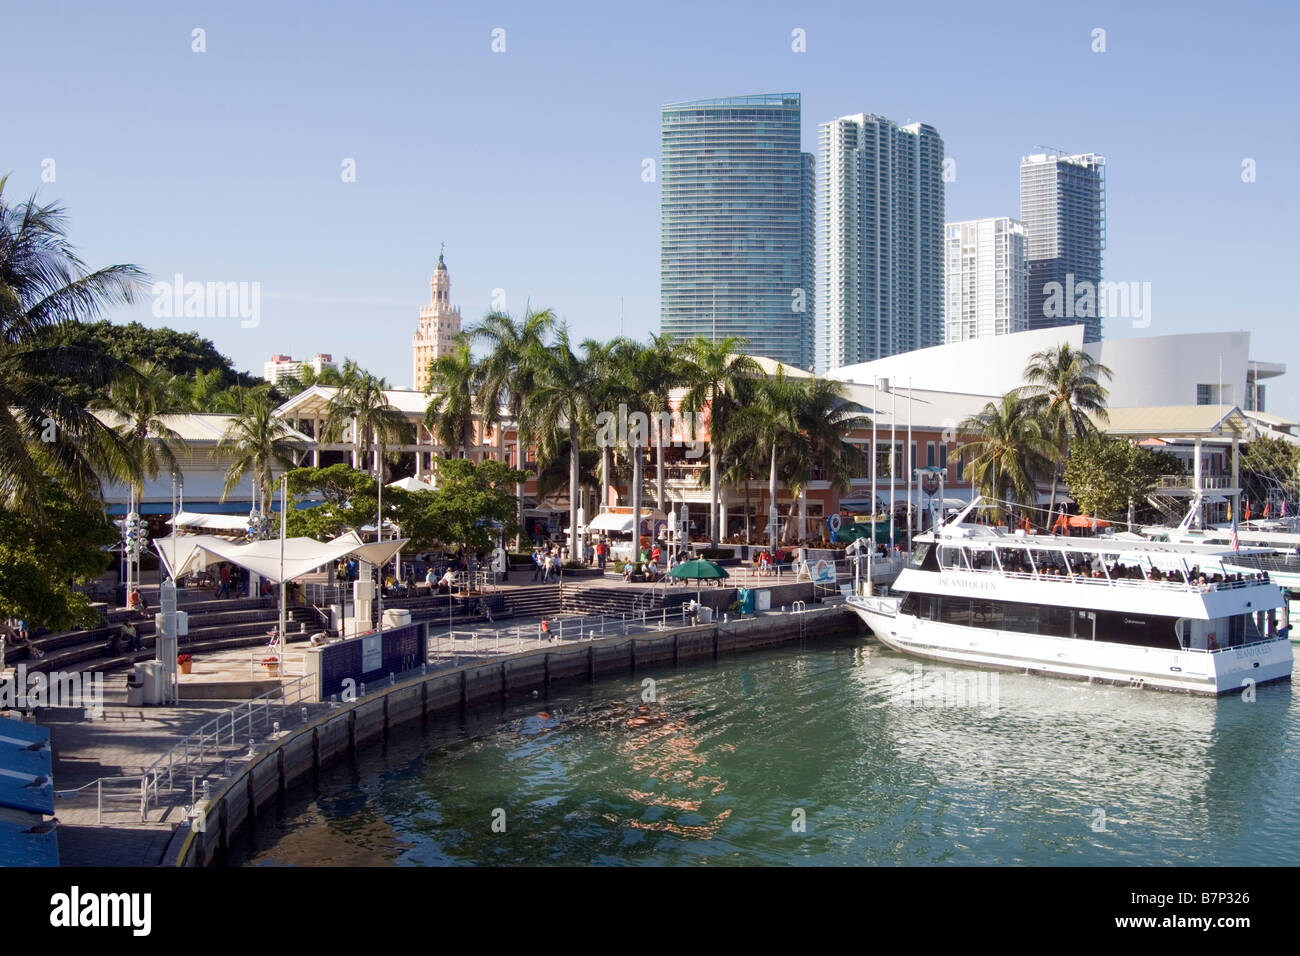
[(1208, 482)]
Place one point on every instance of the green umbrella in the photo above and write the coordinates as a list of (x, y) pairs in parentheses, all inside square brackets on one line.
[(698, 570)]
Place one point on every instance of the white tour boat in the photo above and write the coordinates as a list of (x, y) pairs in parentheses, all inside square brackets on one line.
[(1122, 611)]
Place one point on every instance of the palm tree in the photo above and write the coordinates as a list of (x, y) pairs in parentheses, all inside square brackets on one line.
[(1013, 446), (770, 421), (361, 405), (453, 378), (825, 418), (139, 400), (664, 368), (563, 404), (507, 376), (1063, 387), (715, 372), (607, 393), (256, 440), (43, 285)]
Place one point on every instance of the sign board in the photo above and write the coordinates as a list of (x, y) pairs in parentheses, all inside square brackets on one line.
[(372, 653)]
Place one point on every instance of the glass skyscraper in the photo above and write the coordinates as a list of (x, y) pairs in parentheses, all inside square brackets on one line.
[(1063, 207), (880, 262), (736, 253)]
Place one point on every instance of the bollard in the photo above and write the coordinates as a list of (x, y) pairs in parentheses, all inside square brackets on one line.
[(392, 678), (251, 751), (363, 689)]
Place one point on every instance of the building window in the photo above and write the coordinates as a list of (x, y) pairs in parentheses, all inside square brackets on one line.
[(929, 454), (1202, 394)]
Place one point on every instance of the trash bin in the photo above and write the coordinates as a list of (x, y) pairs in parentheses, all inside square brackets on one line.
[(396, 617), (153, 677), (135, 687), (706, 614)]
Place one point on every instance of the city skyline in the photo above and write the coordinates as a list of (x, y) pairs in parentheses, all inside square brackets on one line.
[(571, 221)]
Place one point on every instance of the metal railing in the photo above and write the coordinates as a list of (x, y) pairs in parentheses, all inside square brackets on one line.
[(219, 740)]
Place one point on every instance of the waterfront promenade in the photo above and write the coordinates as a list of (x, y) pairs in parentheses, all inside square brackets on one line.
[(103, 759)]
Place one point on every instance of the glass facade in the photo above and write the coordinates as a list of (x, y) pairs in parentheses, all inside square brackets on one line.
[(1063, 208), (736, 247), (880, 260)]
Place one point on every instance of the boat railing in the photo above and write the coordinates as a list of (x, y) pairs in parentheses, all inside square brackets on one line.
[(1275, 639), (1193, 586)]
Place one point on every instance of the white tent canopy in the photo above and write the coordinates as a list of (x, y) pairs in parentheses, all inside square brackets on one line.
[(621, 522), (209, 522), (301, 555), (411, 484)]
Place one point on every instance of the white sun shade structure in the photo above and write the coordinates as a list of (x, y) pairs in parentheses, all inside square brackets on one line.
[(301, 555), (209, 522)]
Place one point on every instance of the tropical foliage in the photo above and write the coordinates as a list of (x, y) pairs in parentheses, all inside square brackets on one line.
[(1106, 476)]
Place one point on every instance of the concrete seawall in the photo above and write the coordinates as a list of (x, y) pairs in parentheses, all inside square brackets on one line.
[(295, 759)]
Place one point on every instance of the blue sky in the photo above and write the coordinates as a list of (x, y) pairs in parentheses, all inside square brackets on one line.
[(226, 165)]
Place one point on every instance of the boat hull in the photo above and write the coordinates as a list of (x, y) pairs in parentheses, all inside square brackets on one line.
[(1197, 672)]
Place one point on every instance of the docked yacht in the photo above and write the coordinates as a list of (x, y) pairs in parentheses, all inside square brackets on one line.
[(1118, 610), (1262, 546)]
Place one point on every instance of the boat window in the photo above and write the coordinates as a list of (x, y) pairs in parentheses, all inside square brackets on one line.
[(1085, 625), (981, 559), (986, 614), (919, 554), (955, 610), (1054, 621), (1125, 628), (1022, 618), (909, 605)]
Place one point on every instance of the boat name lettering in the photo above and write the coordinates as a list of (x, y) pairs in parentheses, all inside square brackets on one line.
[(971, 583)]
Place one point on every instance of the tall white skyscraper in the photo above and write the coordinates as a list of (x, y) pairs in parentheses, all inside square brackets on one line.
[(986, 287), (1063, 207), (880, 267)]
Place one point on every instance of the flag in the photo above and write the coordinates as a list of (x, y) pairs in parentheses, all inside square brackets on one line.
[(1283, 507), (1236, 544), (1267, 504), (1229, 510), (1247, 509)]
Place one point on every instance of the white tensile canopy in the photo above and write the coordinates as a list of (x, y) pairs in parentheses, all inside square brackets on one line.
[(208, 522), (301, 555), (621, 523)]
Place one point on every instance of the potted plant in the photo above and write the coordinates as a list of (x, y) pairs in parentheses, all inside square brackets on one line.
[(184, 661), (271, 664)]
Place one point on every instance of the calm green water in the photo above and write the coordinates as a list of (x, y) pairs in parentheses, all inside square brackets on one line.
[(715, 771)]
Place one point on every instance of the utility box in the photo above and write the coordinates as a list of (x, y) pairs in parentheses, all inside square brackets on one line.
[(396, 617), (762, 600), (706, 614)]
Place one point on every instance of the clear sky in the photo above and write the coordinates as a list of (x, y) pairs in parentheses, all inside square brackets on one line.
[(227, 165)]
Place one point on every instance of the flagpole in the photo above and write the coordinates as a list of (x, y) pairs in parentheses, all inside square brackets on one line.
[(911, 463)]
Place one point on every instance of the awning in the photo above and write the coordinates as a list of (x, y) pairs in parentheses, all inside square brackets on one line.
[(301, 555), (210, 522), (607, 521)]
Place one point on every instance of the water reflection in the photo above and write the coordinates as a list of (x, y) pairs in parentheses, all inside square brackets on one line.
[(726, 756)]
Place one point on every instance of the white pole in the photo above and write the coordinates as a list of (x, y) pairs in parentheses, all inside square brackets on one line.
[(893, 468), (284, 519), (910, 463), (379, 532), (875, 402)]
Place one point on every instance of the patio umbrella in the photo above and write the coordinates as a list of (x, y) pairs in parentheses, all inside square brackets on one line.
[(698, 570)]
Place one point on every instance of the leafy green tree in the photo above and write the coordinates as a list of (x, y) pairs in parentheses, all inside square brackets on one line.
[(38, 571), (472, 505), (1270, 468), (1106, 475)]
